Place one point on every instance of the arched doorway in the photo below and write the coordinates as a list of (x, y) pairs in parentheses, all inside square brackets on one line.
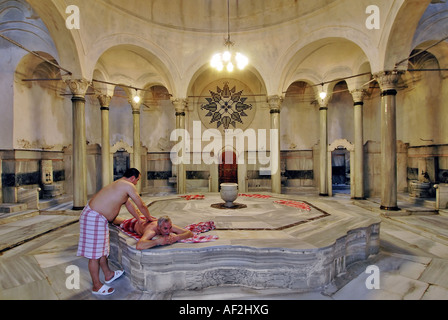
[(228, 168), (340, 170), (340, 167)]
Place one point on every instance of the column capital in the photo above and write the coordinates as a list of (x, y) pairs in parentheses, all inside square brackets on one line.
[(274, 102), (358, 95), (180, 104), (78, 87), (135, 105), (388, 80), (323, 103), (104, 100)]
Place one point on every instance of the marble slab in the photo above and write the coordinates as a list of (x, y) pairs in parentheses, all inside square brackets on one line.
[(436, 273), (17, 232), (255, 247)]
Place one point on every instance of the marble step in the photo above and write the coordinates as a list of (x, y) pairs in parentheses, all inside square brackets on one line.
[(45, 204), (12, 207), (424, 202), (16, 216), (406, 208), (15, 233)]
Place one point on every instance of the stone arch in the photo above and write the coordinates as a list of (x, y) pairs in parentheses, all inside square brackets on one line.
[(69, 45), (39, 101), (344, 143), (121, 145), (205, 77), (399, 39), (351, 54), (439, 52), (132, 64)]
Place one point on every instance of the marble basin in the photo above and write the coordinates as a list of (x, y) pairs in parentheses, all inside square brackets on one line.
[(229, 193)]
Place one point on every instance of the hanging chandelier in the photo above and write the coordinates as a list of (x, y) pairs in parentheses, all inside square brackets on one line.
[(228, 59)]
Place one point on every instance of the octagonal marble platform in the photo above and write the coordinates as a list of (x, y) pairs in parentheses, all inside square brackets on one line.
[(266, 245)]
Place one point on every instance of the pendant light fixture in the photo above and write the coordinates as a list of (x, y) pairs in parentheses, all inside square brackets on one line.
[(228, 59)]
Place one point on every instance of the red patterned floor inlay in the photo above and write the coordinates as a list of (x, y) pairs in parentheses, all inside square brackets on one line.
[(294, 204), (259, 196), (194, 197)]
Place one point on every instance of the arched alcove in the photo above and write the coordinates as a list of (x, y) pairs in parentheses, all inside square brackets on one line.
[(44, 121)]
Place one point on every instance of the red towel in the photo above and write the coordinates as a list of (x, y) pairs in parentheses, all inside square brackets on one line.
[(198, 228), (127, 227)]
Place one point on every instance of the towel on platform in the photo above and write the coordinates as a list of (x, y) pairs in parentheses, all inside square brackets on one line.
[(197, 229), (128, 225)]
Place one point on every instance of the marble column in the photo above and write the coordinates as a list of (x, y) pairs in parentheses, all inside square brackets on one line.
[(388, 83), (180, 106), (1, 188), (78, 88), (323, 146), (106, 172), (136, 156), (358, 165), (274, 106)]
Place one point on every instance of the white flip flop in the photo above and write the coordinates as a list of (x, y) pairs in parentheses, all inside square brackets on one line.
[(117, 274), (104, 291)]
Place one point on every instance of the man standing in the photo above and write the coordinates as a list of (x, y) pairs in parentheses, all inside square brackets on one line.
[(103, 208)]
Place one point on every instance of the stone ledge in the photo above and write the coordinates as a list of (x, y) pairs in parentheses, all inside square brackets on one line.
[(12, 207)]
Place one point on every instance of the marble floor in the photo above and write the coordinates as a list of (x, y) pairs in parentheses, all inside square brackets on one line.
[(38, 259)]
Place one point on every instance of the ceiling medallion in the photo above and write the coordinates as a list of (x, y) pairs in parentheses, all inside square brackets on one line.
[(226, 107)]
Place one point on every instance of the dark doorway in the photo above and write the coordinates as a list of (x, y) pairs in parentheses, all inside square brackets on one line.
[(340, 163), (228, 169), (121, 163)]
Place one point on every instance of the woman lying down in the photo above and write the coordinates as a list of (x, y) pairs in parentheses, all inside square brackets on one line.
[(156, 233)]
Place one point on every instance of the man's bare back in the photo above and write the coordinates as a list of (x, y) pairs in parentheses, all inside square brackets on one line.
[(108, 201)]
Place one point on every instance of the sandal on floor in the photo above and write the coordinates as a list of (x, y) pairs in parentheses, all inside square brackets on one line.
[(104, 291), (117, 274)]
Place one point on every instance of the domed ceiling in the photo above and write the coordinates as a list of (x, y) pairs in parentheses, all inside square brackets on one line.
[(211, 15)]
